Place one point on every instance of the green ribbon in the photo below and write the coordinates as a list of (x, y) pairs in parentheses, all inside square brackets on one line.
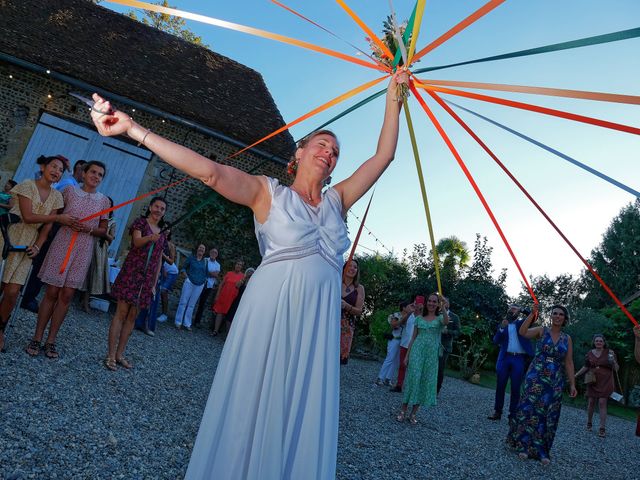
[(405, 36)]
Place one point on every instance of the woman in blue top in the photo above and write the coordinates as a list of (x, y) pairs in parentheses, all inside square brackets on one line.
[(196, 269)]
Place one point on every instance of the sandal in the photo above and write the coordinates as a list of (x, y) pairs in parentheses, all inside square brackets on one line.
[(589, 426), (602, 432), (110, 364), (34, 347), (124, 362), (545, 461), (413, 420), (523, 456), (401, 417), (50, 351)]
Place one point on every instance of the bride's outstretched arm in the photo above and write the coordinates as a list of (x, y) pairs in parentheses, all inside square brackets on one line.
[(233, 184)]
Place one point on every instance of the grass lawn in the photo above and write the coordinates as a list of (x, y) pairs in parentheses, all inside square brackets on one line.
[(488, 380)]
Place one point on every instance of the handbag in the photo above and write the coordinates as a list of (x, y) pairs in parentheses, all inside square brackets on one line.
[(590, 377), (615, 396)]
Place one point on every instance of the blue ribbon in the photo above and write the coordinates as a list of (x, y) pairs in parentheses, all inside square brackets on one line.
[(551, 150)]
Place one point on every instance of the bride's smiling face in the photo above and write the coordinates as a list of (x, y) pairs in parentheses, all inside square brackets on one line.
[(319, 156)]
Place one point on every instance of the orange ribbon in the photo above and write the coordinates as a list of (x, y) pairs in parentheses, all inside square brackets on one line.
[(74, 236), (366, 29), (481, 12), (473, 183), (313, 112), (242, 28), (534, 108), (553, 92)]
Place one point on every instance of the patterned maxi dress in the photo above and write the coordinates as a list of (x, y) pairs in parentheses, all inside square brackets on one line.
[(136, 279), (421, 382), (534, 427), (79, 204), (347, 325)]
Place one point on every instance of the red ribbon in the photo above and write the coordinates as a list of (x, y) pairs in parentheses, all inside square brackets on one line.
[(450, 111), (473, 183)]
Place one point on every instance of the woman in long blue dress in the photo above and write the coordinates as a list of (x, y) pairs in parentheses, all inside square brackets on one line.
[(273, 408), (533, 430)]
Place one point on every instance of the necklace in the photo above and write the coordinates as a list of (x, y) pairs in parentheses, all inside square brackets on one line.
[(306, 196)]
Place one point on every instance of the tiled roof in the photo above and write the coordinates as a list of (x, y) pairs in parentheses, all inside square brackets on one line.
[(109, 50)]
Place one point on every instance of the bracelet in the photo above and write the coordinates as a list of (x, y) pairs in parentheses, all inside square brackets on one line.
[(36, 247), (141, 142)]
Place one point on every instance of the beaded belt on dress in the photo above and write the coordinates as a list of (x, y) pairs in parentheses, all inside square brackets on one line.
[(299, 252)]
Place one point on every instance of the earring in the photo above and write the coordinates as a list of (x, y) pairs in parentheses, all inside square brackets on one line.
[(292, 166)]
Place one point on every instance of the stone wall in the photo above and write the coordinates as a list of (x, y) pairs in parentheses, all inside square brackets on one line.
[(25, 95)]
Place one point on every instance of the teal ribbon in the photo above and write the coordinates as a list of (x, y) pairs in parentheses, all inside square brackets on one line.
[(405, 36)]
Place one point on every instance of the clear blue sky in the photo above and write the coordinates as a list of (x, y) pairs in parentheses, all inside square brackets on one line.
[(580, 203)]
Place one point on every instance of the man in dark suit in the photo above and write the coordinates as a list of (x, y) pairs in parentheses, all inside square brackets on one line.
[(448, 335), (513, 358)]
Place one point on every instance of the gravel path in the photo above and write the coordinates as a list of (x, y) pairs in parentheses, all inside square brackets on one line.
[(73, 419)]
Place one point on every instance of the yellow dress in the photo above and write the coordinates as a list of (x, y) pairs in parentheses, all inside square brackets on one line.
[(17, 265)]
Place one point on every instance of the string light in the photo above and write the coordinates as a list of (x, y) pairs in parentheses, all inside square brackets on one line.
[(371, 234), (48, 72), (10, 76), (49, 95)]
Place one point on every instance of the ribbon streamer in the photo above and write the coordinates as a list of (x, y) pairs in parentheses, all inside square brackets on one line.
[(552, 150), (448, 109), (534, 108), (74, 236), (423, 191), (405, 37), (481, 12), (315, 111), (364, 219), (554, 47), (553, 92), (473, 183), (419, 11), (366, 29), (289, 9), (242, 28)]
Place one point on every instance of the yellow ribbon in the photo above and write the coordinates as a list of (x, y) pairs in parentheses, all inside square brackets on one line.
[(423, 190), (416, 29)]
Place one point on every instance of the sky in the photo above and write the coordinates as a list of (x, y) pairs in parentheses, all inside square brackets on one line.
[(581, 204)]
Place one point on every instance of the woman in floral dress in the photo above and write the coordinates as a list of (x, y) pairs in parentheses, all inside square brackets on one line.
[(62, 284), (421, 382), (135, 285), (533, 430)]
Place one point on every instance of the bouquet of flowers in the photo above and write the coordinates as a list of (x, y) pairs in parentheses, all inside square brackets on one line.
[(391, 37)]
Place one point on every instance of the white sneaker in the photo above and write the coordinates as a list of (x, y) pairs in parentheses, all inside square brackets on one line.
[(162, 318)]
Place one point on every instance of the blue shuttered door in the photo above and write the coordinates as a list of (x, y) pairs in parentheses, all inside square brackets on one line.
[(126, 164)]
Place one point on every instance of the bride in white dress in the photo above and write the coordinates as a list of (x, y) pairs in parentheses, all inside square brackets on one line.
[(272, 412)]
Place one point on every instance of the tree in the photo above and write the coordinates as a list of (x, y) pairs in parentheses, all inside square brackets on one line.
[(168, 23), (223, 224), (562, 290), (616, 259), (454, 258)]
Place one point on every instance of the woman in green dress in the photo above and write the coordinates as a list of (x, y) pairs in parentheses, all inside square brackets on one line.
[(422, 358)]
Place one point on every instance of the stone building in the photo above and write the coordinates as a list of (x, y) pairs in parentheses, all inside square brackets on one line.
[(184, 92)]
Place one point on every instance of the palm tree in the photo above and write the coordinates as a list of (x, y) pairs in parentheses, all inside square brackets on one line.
[(454, 257)]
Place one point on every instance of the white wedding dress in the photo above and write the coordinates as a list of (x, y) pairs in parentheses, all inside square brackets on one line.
[(272, 412)]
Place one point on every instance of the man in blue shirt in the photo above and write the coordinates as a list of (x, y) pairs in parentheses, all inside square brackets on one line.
[(512, 361)]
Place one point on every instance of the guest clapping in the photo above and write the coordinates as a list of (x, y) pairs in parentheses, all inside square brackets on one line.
[(135, 285), (422, 357), (195, 269), (351, 307), (533, 430), (38, 203), (63, 281), (601, 362)]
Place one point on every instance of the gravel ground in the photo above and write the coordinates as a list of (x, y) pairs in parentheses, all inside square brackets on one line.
[(72, 419)]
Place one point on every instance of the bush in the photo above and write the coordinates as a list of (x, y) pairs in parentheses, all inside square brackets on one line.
[(379, 326)]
